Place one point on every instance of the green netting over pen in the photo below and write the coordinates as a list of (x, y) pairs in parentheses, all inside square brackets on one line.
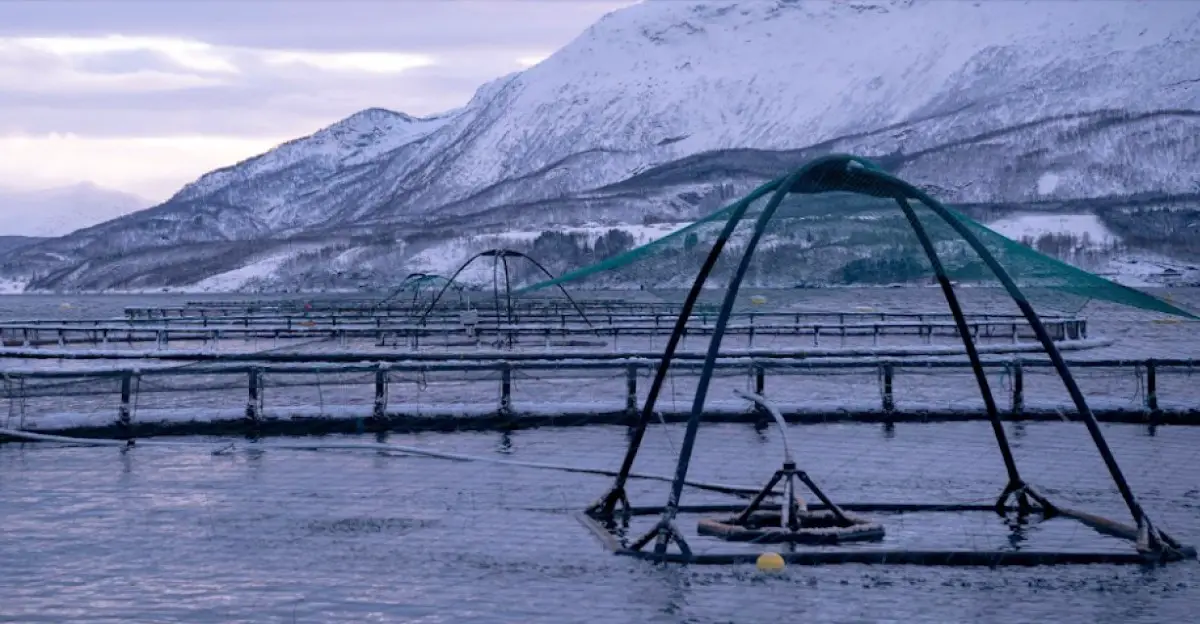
[(843, 223)]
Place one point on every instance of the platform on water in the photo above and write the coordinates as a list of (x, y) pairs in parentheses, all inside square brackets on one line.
[(218, 397), (343, 365)]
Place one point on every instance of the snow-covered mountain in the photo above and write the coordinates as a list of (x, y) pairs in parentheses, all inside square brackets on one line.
[(665, 108), (62, 210), (273, 187)]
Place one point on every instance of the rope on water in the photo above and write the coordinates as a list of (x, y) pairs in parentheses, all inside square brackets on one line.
[(225, 448)]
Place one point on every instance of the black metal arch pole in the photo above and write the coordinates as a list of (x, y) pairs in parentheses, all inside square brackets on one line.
[(508, 310), (710, 361), (550, 275), (1060, 365), (496, 287), (607, 504), (1014, 477), (445, 286), (507, 289)]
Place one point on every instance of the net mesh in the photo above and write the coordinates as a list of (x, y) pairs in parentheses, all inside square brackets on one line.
[(840, 225)]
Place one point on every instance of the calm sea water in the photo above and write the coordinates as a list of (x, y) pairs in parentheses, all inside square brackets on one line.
[(182, 535)]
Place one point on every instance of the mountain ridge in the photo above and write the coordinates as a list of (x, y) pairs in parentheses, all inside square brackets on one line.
[(989, 104)]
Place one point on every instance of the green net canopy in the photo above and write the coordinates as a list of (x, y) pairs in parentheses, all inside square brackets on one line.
[(843, 223)]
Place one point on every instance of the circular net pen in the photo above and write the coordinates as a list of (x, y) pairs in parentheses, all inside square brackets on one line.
[(814, 522), (504, 319), (417, 289)]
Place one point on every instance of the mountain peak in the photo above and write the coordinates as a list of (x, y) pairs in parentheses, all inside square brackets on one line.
[(374, 115), (362, 129), (379, 111), (359, 138)]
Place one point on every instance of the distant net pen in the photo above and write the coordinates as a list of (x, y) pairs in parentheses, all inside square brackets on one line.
[(418, 284), (500, 265)]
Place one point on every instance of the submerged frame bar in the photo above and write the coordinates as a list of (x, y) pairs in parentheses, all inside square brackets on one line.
[(599, 526)]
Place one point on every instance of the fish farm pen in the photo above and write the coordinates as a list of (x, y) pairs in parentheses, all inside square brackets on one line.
[(1007, 347), (347, 366)]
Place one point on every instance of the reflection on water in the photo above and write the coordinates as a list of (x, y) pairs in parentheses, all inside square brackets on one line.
[(181, 535)]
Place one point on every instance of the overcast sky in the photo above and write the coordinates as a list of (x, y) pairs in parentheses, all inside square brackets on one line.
[(146, 95)]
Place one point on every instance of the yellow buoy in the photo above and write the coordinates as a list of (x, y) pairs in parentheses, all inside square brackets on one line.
[(758, 299), (770, 562)]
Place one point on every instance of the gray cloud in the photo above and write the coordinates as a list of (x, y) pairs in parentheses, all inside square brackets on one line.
[(115, 76), (473, 42), (261, 100), (127, 62), (314, 25)]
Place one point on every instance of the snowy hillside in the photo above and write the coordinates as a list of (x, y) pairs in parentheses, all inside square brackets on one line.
[(1088, 228), (268, 184), (1086, 241), (987, 102)]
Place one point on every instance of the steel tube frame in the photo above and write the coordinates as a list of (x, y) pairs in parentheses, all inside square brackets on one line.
[(1064, 372), (1015, 483), (842, 172), (710, 360), (607, 505)]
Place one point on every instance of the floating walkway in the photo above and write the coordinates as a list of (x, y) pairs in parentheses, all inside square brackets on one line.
[(414, 335), (222, 398), (402, 306), (517, 329)]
